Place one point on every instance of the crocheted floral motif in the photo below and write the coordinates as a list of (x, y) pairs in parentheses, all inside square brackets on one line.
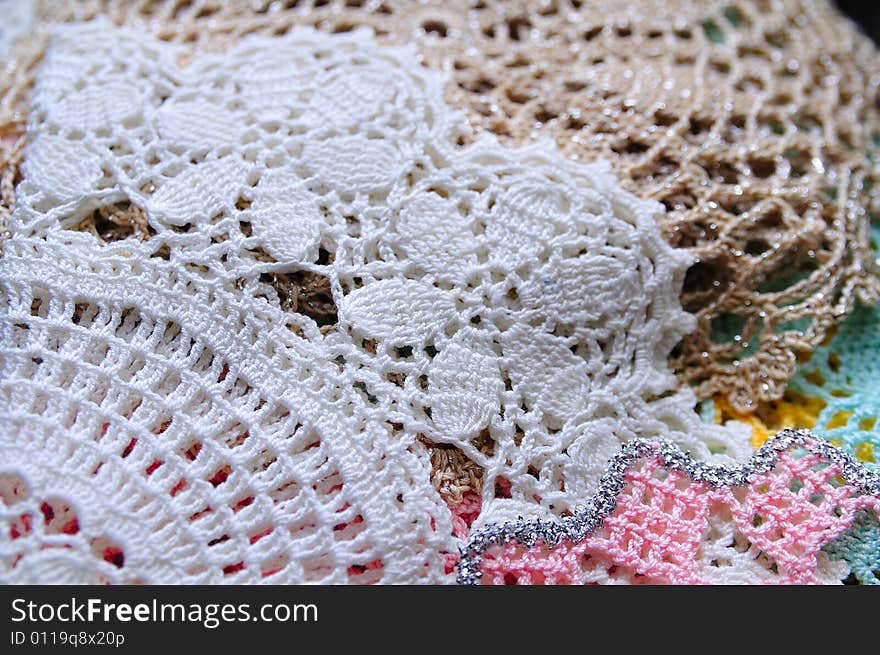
[(164, 418), (169, 376), (668, 527), (754, 122)]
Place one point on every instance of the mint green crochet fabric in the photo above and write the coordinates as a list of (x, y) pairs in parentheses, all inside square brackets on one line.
[(859, 547), (846, 375)]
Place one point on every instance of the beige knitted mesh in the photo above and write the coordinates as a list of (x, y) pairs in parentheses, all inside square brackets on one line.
[(755, 122)]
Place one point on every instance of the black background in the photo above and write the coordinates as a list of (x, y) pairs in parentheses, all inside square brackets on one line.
[(497, 621), (864, 12)]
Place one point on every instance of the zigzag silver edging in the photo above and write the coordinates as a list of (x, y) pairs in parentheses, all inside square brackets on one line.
[(585, 520)]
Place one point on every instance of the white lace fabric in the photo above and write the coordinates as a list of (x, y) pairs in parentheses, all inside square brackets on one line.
[(157, 401)]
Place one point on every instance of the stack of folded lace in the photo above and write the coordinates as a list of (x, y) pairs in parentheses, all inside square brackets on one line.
[(483, 292)]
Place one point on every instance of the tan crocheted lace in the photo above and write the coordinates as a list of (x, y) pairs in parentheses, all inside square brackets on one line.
[(755, 122)]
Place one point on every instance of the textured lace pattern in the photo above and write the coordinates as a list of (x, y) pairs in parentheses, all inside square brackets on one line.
[(834, 393), (859, 548), (759, 140), (662, 518), (843, 376), (175, 414), (841, 382)]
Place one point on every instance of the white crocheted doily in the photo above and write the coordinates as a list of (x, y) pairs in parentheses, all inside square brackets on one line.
[(157, 395)]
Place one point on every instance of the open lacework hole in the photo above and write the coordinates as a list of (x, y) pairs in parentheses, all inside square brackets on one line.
[(14, 491), (459, 481), (793, 410), (453, 474), (303, 292), (306, 292), (726, 555), (121, 220), (52, 519), (705, 282), (798, 267)]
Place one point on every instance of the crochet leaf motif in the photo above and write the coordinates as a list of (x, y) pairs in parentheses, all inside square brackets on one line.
[(162, 384)]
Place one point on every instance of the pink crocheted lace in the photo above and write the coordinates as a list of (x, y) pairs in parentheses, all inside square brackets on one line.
[(663, 520)]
